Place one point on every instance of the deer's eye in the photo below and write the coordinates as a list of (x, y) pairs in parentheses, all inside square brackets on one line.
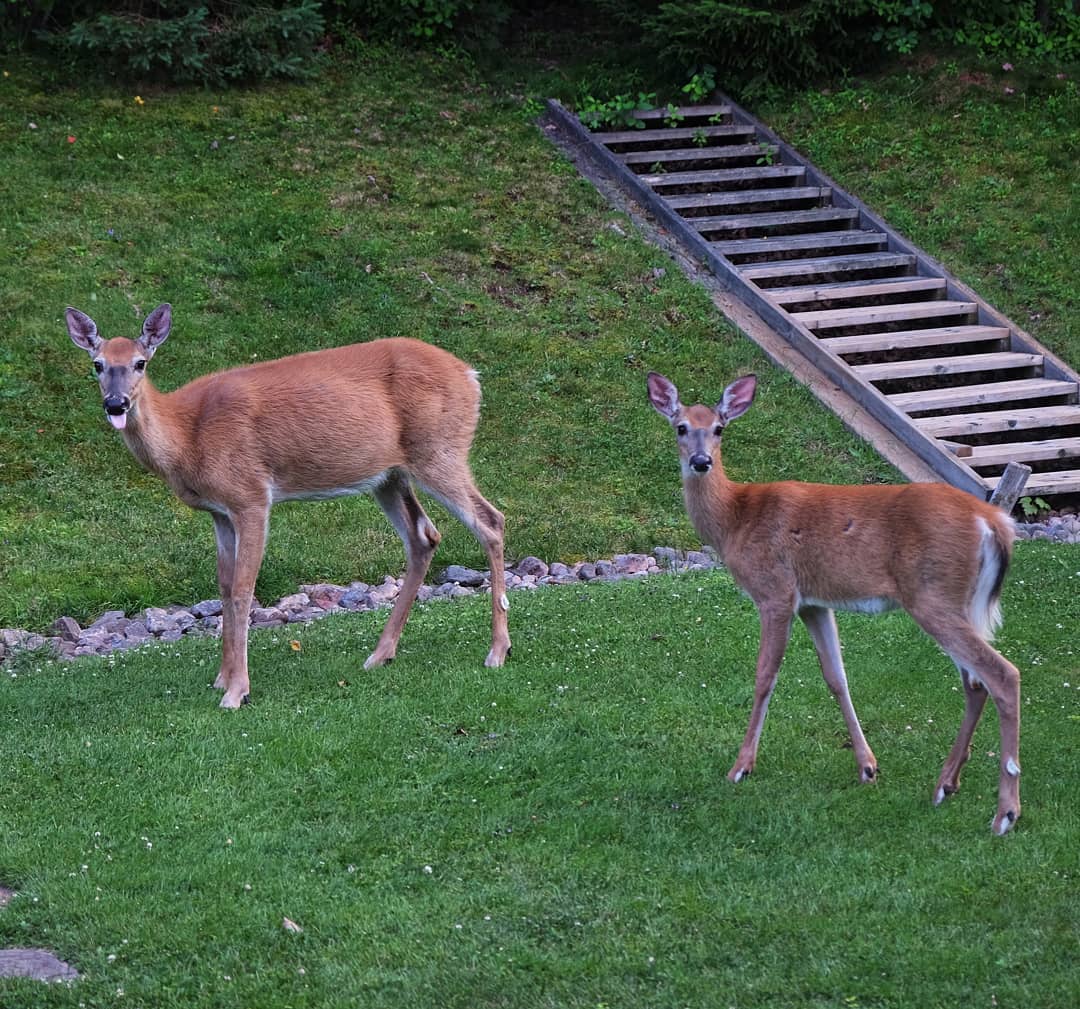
[(140, 365), (718, 430), (99, 366), (680, 430)]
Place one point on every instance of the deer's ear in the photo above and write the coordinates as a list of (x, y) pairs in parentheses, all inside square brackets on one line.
[(156, 328), (82, 330), (663, 395), (737, 398)]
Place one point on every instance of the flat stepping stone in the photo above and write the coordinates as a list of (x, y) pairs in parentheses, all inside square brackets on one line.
[(38, 964)]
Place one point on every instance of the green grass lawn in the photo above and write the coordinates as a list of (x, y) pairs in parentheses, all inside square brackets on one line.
[(554, 833), (391, 197)]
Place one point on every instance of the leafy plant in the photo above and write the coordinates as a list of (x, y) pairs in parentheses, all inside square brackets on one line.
[(1032, 507), (701, 85), (618, 111)]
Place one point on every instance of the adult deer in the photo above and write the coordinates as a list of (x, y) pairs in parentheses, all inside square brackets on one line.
[(366, 418), (810, 549)]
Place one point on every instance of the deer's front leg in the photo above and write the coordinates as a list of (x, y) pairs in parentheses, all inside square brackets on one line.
[(225, 535), (251, 530), (775, 631)]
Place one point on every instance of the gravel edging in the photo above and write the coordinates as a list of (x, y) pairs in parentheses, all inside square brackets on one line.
[(115, 631)]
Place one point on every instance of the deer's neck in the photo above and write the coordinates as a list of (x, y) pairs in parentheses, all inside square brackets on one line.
[(712, 504), (149, 431)]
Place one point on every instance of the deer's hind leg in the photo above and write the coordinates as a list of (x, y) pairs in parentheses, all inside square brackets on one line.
[(486, 523), (398, 502), (974, 700)]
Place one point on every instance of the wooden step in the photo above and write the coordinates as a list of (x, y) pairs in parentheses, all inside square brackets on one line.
[(738, 196), (1066, 481), (1022, 451), (672, 133), (722, 176), (993, 421), (789, 218), (872, 315), (904, 339), (725, 152), (784, 296), (974, 395), (960, 365), (758, 272), (780, 244), (697, 111)]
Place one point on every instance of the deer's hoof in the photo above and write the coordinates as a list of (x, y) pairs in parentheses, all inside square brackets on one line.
[(233, 701), (375, 659), (868, 773), (1003, 823)]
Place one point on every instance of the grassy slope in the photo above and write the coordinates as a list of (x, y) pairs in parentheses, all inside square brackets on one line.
[(392, 197), (584, 849), (983, 179)]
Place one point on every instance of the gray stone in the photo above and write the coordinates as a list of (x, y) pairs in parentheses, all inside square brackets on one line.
[(587, 571), (297, 601), (531, 566), (109, 620), (325, 596), (137, 631), (605, 569), (699, 557), (356, 599), (632, 564), (158, 620), (468, 577), (37, 964), (558, 571), (267, 614), (67, 628), (207, 608)]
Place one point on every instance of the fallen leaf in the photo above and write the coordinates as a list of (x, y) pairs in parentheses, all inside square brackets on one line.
[(290, 926), (295, 645)]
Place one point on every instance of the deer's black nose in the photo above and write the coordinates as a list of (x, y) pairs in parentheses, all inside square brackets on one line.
[(700, 462), (116, 405)]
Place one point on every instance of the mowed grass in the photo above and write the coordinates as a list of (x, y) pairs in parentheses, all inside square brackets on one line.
[(975, 163), (394, 196), (554, 833)]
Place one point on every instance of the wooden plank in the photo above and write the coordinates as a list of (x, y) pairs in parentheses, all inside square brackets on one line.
[(1010, 486), (1066, 481), (684, 110), (737, 196), (903, 339), (743, 222), (727, 152), (993, 421), (1024, 451), (785, 296), (670, 133), (872, 315), (959, 365), (974, 395), (827, 265), (780, 244), (720, 176)]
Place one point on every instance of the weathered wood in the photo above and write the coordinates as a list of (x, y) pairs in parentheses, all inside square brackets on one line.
[(736, 196), (36, 964), (957, 448), (696, 111), (1024, 451), (827, 265), (721, 176), (756, 222), (990, 392), (786, 296), (857, 241), (941, 336), (724, 152), (670, 133), (1010, 485), (1065, 481), (873, 315), (999, 420), (959, 365)]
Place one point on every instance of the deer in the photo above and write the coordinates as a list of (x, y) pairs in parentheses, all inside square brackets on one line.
[(380, 417), (809, 549)]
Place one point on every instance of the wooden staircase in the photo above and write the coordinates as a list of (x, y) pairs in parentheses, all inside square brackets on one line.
[(965, 388)]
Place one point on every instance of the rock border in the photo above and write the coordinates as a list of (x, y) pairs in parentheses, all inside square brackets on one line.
[(116, 631)]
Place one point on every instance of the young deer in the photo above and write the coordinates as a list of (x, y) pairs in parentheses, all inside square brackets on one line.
[(810, 549), (370, 417)]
